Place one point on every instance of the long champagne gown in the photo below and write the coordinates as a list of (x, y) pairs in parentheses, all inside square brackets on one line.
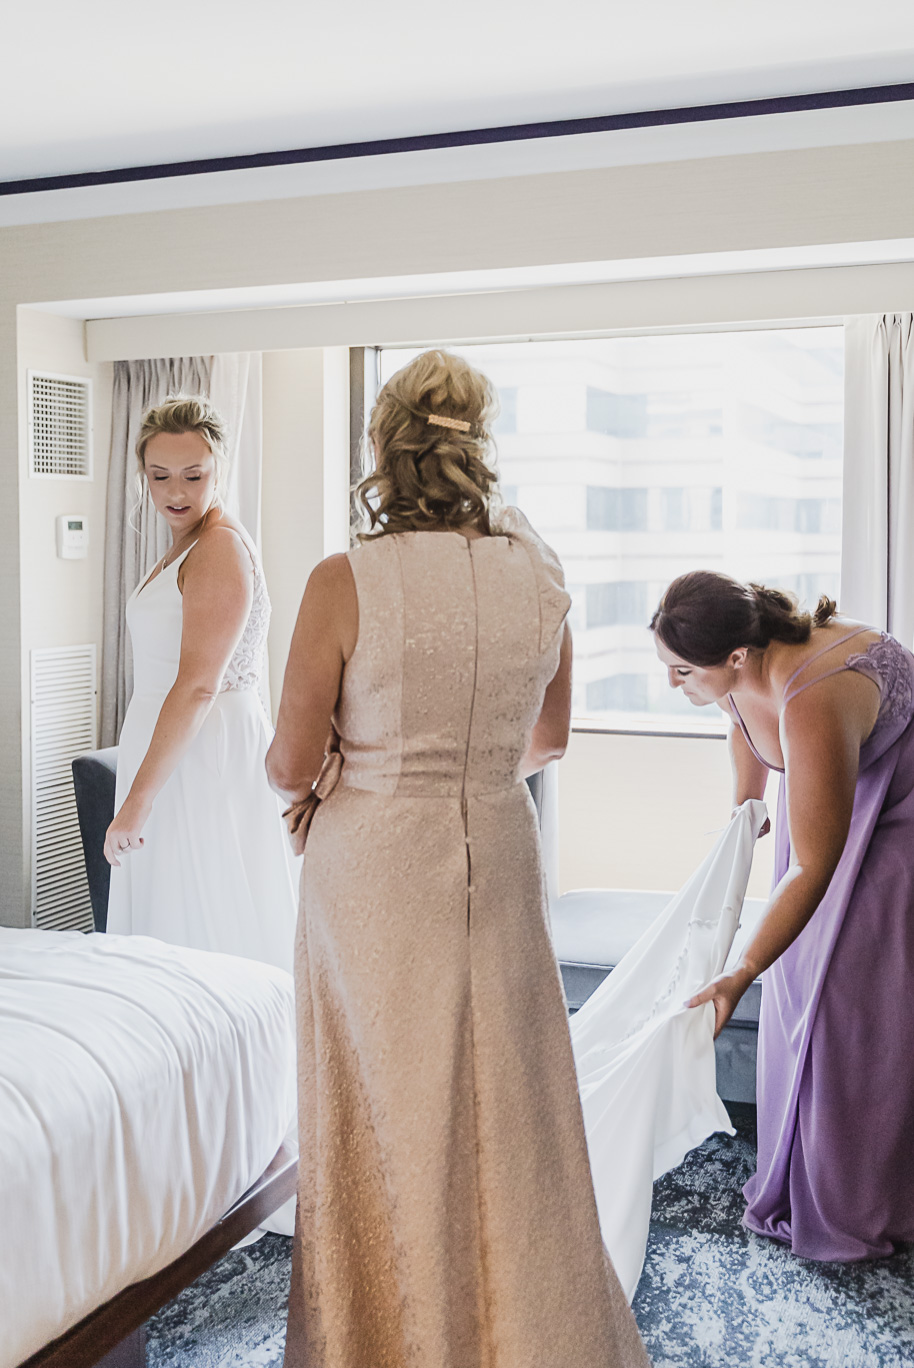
[(215, 872), (446, 1212)]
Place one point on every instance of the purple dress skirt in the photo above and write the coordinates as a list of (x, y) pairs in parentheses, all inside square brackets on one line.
[(835, 1177)]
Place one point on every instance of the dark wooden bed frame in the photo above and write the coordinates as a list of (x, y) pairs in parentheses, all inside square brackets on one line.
[(114, 1335)]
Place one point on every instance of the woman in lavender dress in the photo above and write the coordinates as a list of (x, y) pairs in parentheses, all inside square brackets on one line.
[(829, 704)]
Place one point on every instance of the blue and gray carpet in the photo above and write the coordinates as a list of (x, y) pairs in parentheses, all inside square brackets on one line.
[(711, 1295)]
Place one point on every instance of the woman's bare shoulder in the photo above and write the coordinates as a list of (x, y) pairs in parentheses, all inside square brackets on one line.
[(223, 547), (332, 575), (825, 646)]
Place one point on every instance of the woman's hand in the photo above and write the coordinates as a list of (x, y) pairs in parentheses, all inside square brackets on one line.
[(763, 829), (124, 833), (725, 992)]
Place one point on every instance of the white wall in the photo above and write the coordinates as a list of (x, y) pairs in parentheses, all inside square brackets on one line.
[(60, 600), (642, 811), (305, 501)]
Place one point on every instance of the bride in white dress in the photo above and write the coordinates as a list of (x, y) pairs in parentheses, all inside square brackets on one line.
[(198, 846)]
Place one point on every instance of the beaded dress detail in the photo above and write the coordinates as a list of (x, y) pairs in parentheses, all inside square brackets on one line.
[(446, 1211), (245, 669)]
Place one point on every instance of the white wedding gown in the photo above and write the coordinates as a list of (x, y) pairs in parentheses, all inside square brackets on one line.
[(645, 1063), (216, 871)]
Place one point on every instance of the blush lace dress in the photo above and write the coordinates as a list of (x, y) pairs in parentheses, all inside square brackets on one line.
[(835, 1177), (215, 872), (446, 1212)]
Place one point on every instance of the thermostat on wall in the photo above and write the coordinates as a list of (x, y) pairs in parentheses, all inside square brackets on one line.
[(72, 536)]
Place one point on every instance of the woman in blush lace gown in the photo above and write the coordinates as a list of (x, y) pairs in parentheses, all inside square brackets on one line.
[(446, 1211), (829, 704), (197, 845)]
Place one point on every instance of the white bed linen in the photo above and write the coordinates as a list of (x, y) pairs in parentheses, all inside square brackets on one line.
[(143, 1088)]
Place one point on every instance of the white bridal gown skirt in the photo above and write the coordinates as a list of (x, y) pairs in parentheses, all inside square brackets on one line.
[(646, 1065), (215, 871)]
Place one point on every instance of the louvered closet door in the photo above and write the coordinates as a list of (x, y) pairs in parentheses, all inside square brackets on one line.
[(63, 726)]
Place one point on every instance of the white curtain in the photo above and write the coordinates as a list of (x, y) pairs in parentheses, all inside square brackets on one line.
[(877, 561), (135, 536)]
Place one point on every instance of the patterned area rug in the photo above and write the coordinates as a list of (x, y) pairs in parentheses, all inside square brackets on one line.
[(711, 1296)]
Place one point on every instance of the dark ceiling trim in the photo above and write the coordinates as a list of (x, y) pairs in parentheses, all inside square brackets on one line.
[(425, 142)]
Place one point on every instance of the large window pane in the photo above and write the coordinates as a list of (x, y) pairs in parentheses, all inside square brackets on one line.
[(639, 458)]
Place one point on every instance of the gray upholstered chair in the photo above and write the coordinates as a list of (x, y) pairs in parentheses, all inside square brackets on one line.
[(94, 777)]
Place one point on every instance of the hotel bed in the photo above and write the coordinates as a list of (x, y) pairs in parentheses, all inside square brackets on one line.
[(145, 1091)]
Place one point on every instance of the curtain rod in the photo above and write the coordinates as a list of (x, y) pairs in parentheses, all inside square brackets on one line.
[(477, 137)]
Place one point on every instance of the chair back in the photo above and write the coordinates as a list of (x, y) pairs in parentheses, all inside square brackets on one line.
[(94, 779)]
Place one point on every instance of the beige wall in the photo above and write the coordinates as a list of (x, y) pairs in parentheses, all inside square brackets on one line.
[(305, 502), (642, 811), (60, 600)]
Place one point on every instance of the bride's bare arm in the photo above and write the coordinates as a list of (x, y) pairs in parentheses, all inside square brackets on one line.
[(218, 587), (549, 737), (324, 639)]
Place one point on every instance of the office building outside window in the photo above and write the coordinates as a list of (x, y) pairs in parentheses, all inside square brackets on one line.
[(639, 458)]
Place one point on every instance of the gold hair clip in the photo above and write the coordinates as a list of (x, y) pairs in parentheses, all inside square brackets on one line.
[(440, 421)]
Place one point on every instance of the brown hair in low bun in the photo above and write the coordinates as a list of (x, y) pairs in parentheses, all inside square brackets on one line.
[(425, 475), (704, 616)]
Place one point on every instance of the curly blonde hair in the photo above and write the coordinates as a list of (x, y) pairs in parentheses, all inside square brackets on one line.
[(184, 413), (426, 476)]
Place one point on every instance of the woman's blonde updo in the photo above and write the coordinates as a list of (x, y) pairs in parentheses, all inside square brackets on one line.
[(181, 413), (428, 476)]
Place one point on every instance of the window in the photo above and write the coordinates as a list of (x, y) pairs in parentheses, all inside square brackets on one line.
[(507, 415), (618, 693), (617, 415), (675, 509), (622, 602), (616, 510), (639, 458)]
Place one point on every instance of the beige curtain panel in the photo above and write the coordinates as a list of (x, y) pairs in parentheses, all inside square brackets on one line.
[(877, 559), (135, 536)]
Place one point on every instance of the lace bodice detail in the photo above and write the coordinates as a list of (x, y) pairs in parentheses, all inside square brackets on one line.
[(245, 668), (888, 664)]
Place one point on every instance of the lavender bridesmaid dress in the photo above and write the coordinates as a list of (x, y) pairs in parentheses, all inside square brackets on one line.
[(835, 1175)]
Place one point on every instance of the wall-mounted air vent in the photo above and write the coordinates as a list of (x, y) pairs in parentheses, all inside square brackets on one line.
[(63, 726), (60, 426)]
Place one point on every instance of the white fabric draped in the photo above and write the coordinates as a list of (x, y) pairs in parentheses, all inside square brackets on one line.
[(135, 536), (877, 562), (646, 1065)]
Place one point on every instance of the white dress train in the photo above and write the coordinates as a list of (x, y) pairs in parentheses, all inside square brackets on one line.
[(645, 1063)]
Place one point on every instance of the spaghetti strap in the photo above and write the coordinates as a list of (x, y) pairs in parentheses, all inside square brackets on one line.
[(824, 651), (156, 573), (839, 669)]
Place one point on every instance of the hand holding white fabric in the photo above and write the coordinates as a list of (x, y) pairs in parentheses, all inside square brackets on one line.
[(725, 992), (646, 1064)]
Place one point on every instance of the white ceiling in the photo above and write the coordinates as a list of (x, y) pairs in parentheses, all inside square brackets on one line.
[(104, 84)]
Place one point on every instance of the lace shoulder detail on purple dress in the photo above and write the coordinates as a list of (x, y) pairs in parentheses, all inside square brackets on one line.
[(887, 661)]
